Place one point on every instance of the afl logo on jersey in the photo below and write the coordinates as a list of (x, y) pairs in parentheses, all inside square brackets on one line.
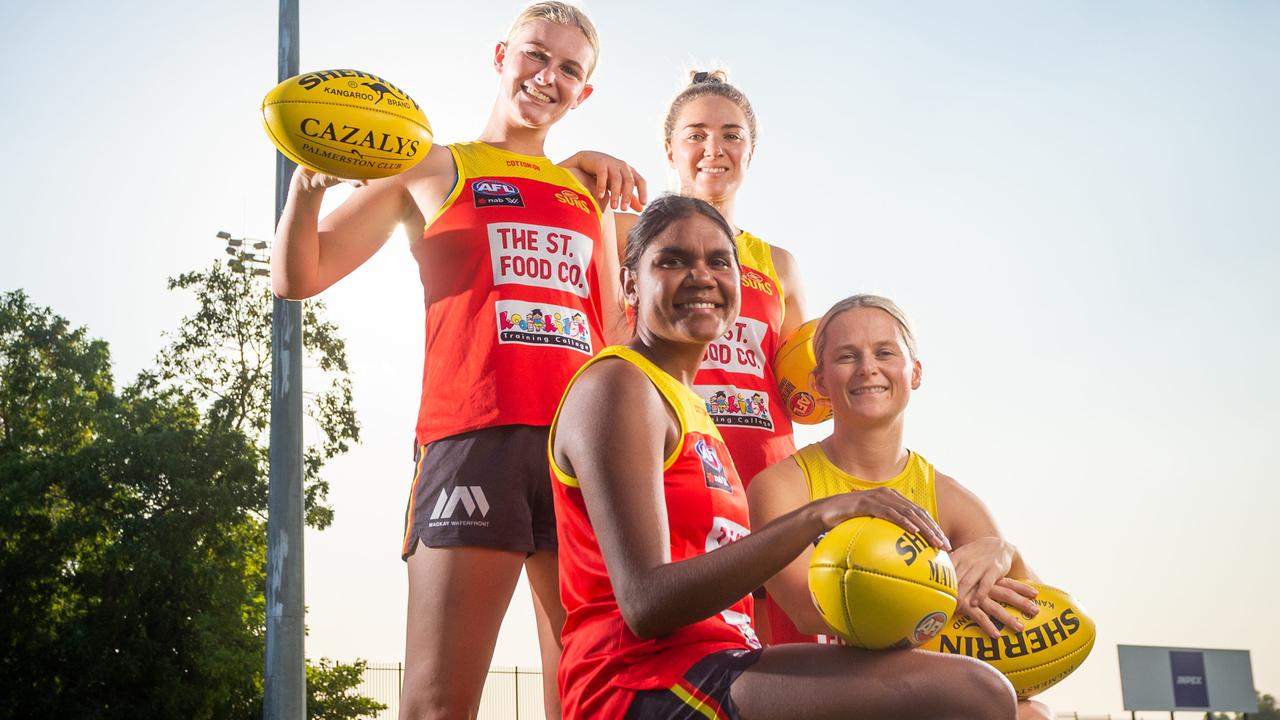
[(488, 193), (713, 470)]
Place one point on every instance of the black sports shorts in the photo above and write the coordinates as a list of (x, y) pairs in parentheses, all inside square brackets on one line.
[(485, 488), (702, 693)]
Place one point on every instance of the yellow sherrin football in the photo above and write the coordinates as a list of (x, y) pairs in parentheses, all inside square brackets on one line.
[(1050, 647), (879, 586), (792, 365), (346, 123)]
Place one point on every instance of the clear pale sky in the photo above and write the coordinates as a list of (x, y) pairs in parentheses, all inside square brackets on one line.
[(1079, 204)]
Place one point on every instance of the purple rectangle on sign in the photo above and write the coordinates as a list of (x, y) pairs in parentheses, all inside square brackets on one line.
[(1190, 686)]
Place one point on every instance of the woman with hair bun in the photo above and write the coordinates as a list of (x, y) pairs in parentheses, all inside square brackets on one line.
[(709, 136)]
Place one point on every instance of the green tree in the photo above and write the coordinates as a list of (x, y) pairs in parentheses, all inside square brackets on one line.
[(1267, 710), (330, 695), (131, 537), (221, 355), (55, 385)]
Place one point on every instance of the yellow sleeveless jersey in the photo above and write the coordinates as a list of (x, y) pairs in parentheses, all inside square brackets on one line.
[(916, 482)]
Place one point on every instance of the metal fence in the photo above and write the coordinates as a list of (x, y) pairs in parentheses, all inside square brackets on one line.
[(510, 693)]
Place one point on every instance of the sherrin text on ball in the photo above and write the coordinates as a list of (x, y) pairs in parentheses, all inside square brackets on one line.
[(1050, 647)]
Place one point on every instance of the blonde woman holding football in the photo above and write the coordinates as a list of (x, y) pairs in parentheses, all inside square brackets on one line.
[(501, 345), (868, 366)]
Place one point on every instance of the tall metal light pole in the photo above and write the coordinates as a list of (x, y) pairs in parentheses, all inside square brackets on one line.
[(285, 679)]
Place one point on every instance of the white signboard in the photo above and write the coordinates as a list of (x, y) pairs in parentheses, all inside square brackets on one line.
[(1162, 678)]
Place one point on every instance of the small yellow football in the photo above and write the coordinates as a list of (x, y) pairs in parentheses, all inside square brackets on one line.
[(1050, 647), (793, 365), (346, 123), (879, 586)]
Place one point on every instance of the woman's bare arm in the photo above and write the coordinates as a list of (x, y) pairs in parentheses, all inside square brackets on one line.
[(986, 563), (311, 254), (615, 430)]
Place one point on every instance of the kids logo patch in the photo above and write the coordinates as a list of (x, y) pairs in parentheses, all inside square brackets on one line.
[(490, 193), (729, 406), (542, 324), (713, 471)]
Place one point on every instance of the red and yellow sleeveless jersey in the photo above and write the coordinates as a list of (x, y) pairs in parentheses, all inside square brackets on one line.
[(916, 482), (510, 276), (736, 377), (603, 661)]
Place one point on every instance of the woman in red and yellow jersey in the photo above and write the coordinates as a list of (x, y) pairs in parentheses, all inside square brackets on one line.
[(709, 135), (867, 365), (514, 261), (657, 557)]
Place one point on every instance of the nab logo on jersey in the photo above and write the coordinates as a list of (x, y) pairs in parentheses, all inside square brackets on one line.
[(488, 193), (712, 469), (471, 498)]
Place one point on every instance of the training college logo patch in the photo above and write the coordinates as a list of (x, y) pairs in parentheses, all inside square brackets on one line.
[(730, 406), (543, 324), (488, 193), (713, 470)]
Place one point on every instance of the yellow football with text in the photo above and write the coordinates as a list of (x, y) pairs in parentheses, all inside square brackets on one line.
[(1050, 647), (879, 586), (793, 364), (346, 123)]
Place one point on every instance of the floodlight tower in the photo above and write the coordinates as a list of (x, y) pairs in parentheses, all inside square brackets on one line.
[(256, 263)]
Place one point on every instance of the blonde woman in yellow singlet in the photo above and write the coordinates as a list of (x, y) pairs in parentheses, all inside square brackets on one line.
[(867, 364)]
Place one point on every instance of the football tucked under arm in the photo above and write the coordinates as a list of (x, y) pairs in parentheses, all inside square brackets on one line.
[(1050, 647)]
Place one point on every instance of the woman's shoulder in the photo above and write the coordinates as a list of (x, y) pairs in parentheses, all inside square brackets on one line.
[(784, 263), (782, 484), (613, 381), (438, 162), (953, 497)]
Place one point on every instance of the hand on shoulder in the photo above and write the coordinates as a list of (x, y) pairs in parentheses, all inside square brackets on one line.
[(613, 182)]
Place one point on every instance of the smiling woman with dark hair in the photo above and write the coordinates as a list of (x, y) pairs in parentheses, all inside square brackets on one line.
[(657, 558)]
